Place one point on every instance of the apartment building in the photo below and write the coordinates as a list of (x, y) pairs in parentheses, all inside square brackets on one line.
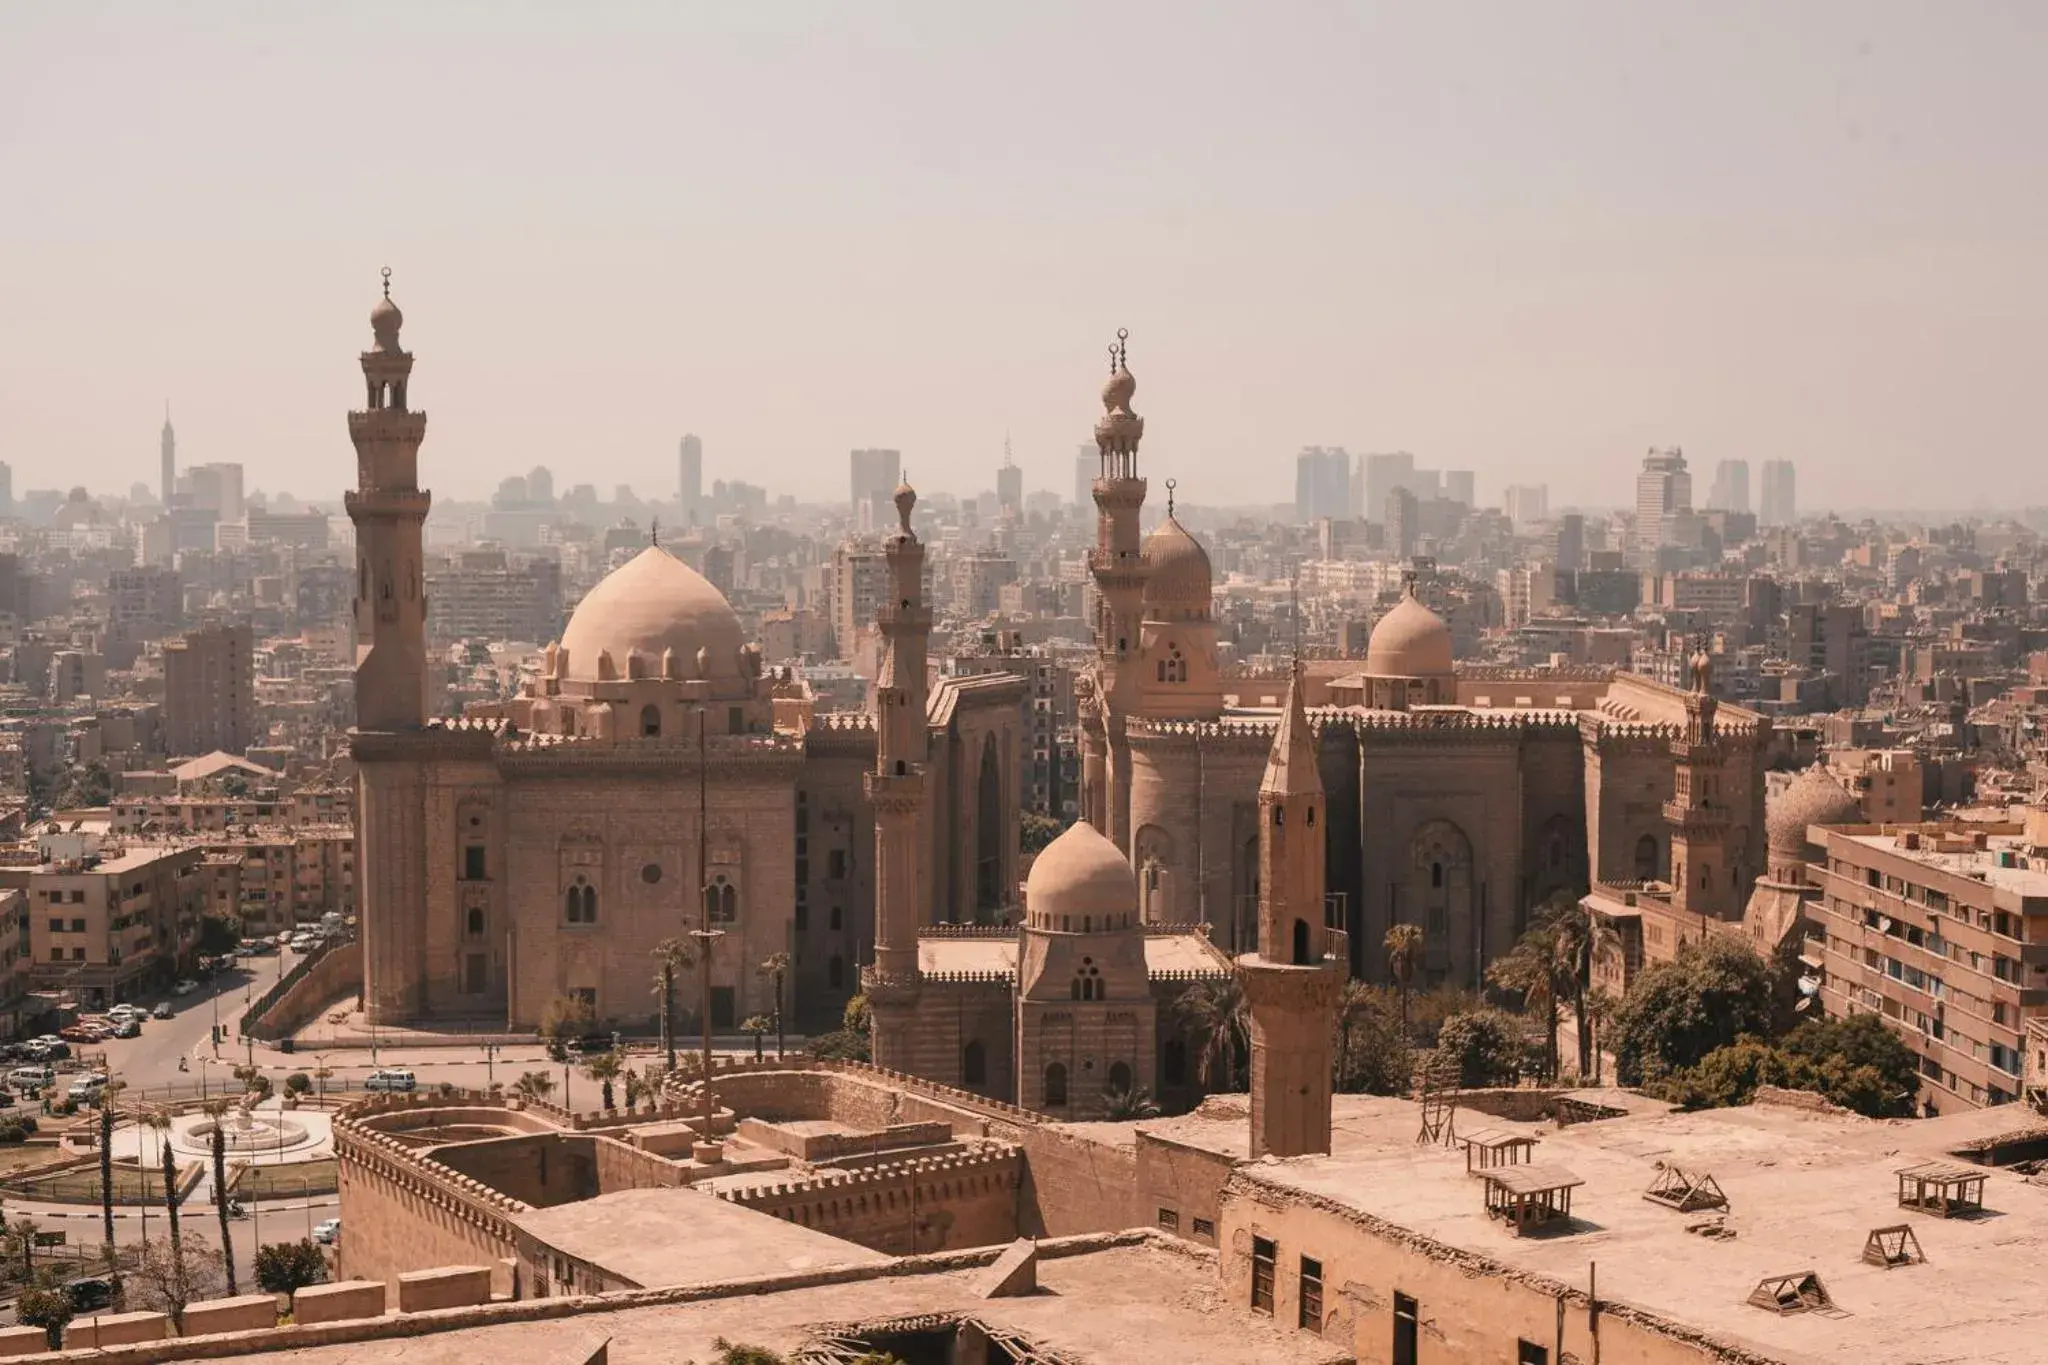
[(271, 880), (109, 922), (1941, 928), (15, 955), (210, 691)]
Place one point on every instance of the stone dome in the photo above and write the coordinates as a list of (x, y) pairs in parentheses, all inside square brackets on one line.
[(1181, 578), (1814, 798), (1411, 641), (1081, 873), (654, 603)]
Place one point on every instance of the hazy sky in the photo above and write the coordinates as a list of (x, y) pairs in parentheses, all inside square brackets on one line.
[(1526, 238)]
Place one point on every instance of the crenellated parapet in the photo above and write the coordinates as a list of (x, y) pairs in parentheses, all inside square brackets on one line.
[(993, 1161), (364, 1152), (1542, 673)]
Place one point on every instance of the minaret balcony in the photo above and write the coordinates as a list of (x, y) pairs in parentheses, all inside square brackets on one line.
[(386, 502), (388, 424), (1695, 817)]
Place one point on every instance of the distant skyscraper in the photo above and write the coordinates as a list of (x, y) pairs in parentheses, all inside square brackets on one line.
[(1086, 465), (168, 444), (217, 488), (1400, 513), (1570, 553), (875, 476), (1322, 483), (1779, 505), (1527, 504), (1731, 487), (690, 477), (6, 489), (1662, 488), (1010, 485), (540, 485), (1458, 487), (1383, 474)]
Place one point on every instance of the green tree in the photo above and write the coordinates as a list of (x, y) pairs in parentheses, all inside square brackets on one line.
[(533, 1085), (776, 969), (298, 1083), (1405, 946), (107, 1162), (218, 934), (1035, 831), (564, 1019), (1861, 1041), (1215, 1018), (1481, 1048), (1726, 1076), (604, 1068), (853, 1040), (49, 1309), (172, 1275), (288, 1267), (757, 1025), (1373, 1054), (1531, 969), (1580, 935), (217, 1110), (671, 955), (1705, 997), (1124, 1106)]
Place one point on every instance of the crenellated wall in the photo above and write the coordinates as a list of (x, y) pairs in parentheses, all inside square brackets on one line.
[(905, 1207)]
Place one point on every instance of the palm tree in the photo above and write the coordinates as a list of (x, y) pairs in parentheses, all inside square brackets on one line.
[(158, 1121), (1404, 945), (1600, 1007), (1123, 1106), (638, 1087), (217, 1111), (1530, 969), (533, 1085), (671, 955), (1218, 1023), (107, 1162), (1581, 936), (776, 968), (1357, 999), (604, 1068), (758, 1025)]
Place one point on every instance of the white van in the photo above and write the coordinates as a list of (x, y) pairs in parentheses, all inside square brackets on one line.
[(31, 1076), (391, 1079)]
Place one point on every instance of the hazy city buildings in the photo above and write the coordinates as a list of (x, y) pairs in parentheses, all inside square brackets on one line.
[(690, 477), (1322, 483), (875, 476), (167, 450), (1731, 487), (1663, 490), (210, 690), (1779, 501)]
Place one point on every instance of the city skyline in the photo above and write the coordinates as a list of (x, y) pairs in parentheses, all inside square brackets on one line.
[(1531, 274)]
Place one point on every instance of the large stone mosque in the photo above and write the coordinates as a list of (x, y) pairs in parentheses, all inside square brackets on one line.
[(656, 770)]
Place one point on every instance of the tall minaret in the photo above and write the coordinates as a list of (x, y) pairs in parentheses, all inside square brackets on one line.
[(1702, 881), (388, 507), (896, 790), (167, 444), (1118, 563), (1293, 981)]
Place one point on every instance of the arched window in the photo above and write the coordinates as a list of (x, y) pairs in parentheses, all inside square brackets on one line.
[(476, 921), (1309, 818), (1301, 957), (579, 903), (1436, 874), (974, 1064), (1162, 670), (1120, 1077), (728, 903), (1056, 1086), (650, 721), (590, 905)]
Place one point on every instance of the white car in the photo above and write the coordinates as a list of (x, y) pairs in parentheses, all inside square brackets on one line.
[(327, 1232), (185, 987), (88, 1087), (391, 1078)]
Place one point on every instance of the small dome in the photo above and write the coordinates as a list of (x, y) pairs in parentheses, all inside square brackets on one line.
[(1118, 390), (1181, 578), (654, 603), (1081, 873), (1411, 641), (906, 502), (1814, 798)]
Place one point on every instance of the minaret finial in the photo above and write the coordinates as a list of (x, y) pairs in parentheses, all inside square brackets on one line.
[(387, 281), (1170, 483), (1113, 357), (1122, 335)]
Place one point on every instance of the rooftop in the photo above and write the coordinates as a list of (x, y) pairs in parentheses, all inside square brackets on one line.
[(1804, 1189), (658, 1238), (2003, 862)]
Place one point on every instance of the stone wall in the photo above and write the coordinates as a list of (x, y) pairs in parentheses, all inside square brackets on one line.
[(905, 1208), (1181, 1186), (334, 975), (546, 1169)]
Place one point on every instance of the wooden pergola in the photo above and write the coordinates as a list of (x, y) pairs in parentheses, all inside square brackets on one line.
[(1487, 1148), (1528, 1197), (1942, 1188)]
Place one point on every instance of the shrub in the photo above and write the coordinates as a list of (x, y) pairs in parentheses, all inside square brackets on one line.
[(48, 1309), (298, 1083), (1677, 1012), (287, 1267), (1481, 1047)]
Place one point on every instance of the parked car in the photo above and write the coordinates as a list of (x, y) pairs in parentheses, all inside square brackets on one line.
[(185, 987), (80, 1033), (327, 1232), (87, 1087), (30, 1077), (48, 1049), (90, 1293), (129, 1027), (390, 1078), (162, 1011)]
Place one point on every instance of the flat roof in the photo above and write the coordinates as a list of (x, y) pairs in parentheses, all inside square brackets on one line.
[(1979, 865), (661, 1237), (1804, 1191), (1107, 1307), (1167, 952)]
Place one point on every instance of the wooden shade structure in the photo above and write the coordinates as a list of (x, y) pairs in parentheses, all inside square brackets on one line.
[(1893, 1246), (1796, 1293), (1942, 1189), (1528, 1197), (1688, 1193), (1486, 1148)]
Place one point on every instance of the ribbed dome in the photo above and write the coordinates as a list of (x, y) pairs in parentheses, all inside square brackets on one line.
[(1814, 798), (1181, 578), (654, 603), (1411, 641), (1081, 873)]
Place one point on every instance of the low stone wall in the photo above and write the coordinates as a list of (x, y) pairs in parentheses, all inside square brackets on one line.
[(816, 1147), (23, 1341), (298, 997), (546, 1169), (448, 1286), (907, 1207), (115, 1329), (244, 1313), (318, 1303)]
